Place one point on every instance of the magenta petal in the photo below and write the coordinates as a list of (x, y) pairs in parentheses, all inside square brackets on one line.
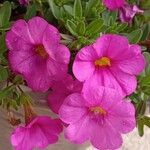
[(135, 64), (37, 27), (105, 137), (127, 12), (83, 66), (83, 70), (111, 45), (57, 96), (113, 4), (88, 53), (127, 82), (73, 108), (79, 131), (20, 28), (55, 100), (14, 42), (23, 63), (39, 133), (123, 119), (103, 78), (17, 136), (93, 94)]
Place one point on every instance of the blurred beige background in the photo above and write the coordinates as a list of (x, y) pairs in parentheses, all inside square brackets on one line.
[(132, 141)]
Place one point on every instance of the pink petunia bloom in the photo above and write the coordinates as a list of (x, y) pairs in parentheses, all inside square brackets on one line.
[(100, 115), (127, 12), (36, 53), (112, 62), (24, 2), (61, 90), (113, 4), (39, 133)]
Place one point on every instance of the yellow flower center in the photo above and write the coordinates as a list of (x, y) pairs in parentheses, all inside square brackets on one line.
[(103, 62), (41, 51), (98, 110)]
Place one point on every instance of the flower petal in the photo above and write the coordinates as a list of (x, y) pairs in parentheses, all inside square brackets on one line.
[(105, 137), (111, 46), (79, 131), (122, 116), (133, 65), (37, 27), (73, 108)]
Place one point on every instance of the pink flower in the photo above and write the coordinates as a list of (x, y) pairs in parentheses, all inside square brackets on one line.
[(100, 115), (127, 12), (113, 4), (112, 62), (24, 2), (36, 53), (39, 133), (61, 90)]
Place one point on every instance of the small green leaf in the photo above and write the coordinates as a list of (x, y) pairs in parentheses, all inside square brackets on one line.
[(147, 121), (72, 27), (147, 57), (146, 32), (3, 73), (90, 5), (31, 11), (141, 108), (135, 36), (77, 9), (68, 9), (94, 27), (81, 28), (2, 45), (5, 13), (55, 9), (140, 125)]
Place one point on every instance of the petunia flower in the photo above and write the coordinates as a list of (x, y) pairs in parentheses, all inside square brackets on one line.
[(61, 90), (113, 4), (112, 62), (36, 53), (127, 12), (100, 115), (23, 2), (38, 133)]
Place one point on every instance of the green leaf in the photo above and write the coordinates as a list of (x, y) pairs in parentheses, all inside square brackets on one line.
[(141, 108), (77, 8), (72, 27), (94, 27), (121, 27), (90, 5), (5, 13), (3, 73), (146, 32), (68, 9), (147, 121), (81, 28), (140, 125), (135, 36), (6, 92), (2, 44), (31, 11), (55, 9), (147, 57), (144, 84)]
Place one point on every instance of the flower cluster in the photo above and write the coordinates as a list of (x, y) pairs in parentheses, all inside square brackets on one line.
[(126, 11), (91, 99)]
